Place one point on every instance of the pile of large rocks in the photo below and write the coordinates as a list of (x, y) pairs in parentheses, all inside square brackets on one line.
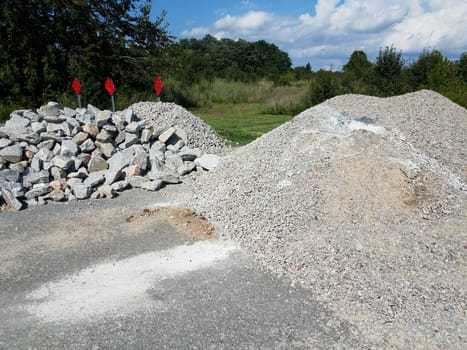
[(65, 154)]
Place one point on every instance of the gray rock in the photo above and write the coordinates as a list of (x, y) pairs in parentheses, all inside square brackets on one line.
[(130, 140), (12, 154), (120, 185), (146, 135), (129, 115), (97, 163), (36, 177), (173, 162), (141, 160), (5, 143), (36, 164), (55, 119), (106, 191), (81, 191), (39, 127), (111, 129), (63, 162), (157, 151), (44, 154), (49, 136), (137, 181), (51, 109), (186, 168), (32, 116), (20, 166), (116, 164), (57, 173), (55, 128), (152, 185), (69, 112), (103, 118), (120, 138), (94, 179), (49, 144), (93, 110), (10, 199), (87, 146), (208, 161), (16, 188), (38, 190), (69, 148), (107, 149), (189, 154), (10, 175), (17, 121)]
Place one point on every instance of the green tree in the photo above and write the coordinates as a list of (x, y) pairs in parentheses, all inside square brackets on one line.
[(388, 70), (44, 43), (463, 66), (426, 63), (358, 74)]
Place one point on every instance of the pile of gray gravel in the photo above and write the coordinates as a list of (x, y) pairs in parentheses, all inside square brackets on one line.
[(362, 200), (200, 135)]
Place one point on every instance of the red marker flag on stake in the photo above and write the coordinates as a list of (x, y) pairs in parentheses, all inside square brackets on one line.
[(76, 86), (110, 87), (158, 86)]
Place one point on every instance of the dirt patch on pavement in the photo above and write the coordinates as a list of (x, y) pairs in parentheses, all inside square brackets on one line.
[(185, 221)]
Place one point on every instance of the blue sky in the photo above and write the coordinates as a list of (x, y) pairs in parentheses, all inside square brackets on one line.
[(326, 32)]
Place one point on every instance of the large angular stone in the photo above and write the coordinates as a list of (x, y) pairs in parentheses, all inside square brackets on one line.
[(17, 121), (50, 109), (208, 161), (38, 190), (152, 185), (57, 173), (94, 179), (48, 144), (32, 116), (120, 185), (189, 154), (130, 140), (16, 188), (20, 166), (87, 146), (80, 137), (5, 143), (39, 127), (12, 154), (10, 199), (166, 135), (34, 177), (186, 168), (157, 151), (107, 149), (10, 175), (103, 118), (103, 137), (44, 154), (173, 162), (82, 191), (140, 159), (91, 129), (63, 162), (97, 163), (69, 148), (116, 164)]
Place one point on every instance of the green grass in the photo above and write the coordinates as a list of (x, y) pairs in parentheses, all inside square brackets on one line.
[(241, 123)]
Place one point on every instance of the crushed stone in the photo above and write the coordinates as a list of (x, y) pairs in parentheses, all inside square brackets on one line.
[(362, 200)]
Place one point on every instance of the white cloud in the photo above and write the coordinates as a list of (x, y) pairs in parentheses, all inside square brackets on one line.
[(339, 27)]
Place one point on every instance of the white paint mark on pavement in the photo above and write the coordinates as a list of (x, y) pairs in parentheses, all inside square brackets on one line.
[(119, 287)]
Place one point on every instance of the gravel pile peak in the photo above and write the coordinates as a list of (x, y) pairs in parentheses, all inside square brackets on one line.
[(200, 135), (363, 200)]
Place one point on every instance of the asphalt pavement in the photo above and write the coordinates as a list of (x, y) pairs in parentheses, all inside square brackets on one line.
[(104, 275)]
